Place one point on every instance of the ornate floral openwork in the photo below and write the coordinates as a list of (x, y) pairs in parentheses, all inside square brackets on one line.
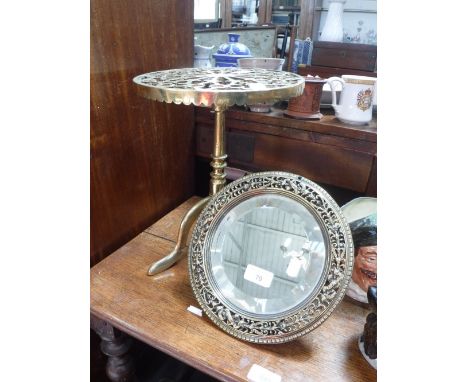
[(219, 86), (308, 314)]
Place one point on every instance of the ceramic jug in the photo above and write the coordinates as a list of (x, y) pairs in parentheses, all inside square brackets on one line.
[(228, 53), (355, 100), (201, 57)]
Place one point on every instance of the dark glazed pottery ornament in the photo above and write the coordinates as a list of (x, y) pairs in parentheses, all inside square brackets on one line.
[(368, 340), (361, 214)]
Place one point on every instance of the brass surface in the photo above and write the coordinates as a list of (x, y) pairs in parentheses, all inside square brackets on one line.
[(287, 325), (359, 80), (219, 88), (218, 177), (177, 253)]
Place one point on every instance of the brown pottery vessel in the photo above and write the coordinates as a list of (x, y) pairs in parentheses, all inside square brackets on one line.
[(307, 105)]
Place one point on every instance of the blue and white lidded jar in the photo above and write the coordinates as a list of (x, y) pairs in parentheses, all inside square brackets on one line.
[(228, 53)]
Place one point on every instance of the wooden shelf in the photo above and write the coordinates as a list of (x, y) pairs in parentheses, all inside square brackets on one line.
[(154, 310), (326, 151)]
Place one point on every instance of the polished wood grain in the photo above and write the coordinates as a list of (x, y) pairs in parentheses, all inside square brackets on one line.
[(345, 55), (115, 345), (372, 184), (326, 151), (327, 72), (306, 21), (335, 59), (328, 125), (292, 38), (264, 10), (141, 151), (226, 13), (154, 310)]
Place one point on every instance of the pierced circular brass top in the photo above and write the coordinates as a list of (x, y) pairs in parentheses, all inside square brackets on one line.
[(219, 86)]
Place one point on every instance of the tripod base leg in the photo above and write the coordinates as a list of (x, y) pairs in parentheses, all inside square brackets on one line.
[(177, 253)]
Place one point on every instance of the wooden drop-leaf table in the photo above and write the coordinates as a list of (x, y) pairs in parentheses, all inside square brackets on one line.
[(154, 310)]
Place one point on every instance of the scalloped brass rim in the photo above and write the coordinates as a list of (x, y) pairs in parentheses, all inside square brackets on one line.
[(266, 91)]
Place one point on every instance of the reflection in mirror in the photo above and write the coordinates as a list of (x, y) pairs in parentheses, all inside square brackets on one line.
[(206, 14), (267, 255), (285, 12), (244, 12), (358, 20), (206, 10)]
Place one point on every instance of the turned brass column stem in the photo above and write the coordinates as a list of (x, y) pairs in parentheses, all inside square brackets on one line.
[(218, 177)]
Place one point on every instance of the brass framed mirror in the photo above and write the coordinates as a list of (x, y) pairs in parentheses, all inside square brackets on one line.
[(271, 256)]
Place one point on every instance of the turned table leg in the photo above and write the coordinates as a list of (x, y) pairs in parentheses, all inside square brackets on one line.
[(115, 345), (218, 163)]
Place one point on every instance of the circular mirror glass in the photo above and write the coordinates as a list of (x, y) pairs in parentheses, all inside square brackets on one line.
[(267, 255)]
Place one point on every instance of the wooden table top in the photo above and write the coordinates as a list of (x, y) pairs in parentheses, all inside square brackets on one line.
[(154, 310)]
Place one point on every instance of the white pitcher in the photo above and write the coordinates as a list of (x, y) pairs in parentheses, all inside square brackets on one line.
[(355, 100), (201, 57)]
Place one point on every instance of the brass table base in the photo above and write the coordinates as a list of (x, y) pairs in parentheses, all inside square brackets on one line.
[(217, 182), (177, 253), (218, 177), (221, 88)]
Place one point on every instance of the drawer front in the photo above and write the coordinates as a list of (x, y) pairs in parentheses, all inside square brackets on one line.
[(344, 58), (321, 163)]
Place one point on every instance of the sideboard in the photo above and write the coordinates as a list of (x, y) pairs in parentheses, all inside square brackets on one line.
[(326, 151)]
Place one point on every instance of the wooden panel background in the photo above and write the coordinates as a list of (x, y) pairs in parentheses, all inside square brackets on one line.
[(326, 151), (142, 152)]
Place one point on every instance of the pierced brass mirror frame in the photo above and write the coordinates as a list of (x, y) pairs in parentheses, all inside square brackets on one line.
[(308, 314)]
